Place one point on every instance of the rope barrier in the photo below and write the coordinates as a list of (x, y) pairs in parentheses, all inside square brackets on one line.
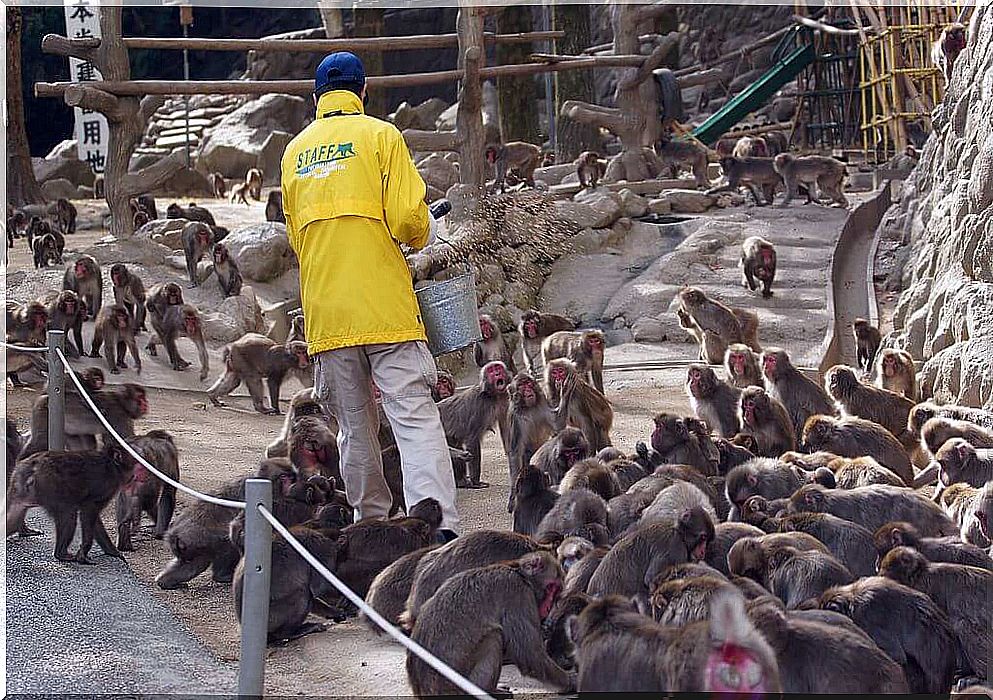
[(141, 460), (433, 661), (25, 348)]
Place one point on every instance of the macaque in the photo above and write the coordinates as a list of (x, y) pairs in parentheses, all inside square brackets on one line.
[(557, 455), (813, 171), (766, 419), (676, 152), (228, 275), (742, 366), (27, 324), (769, 478), (750, 147), (197, 241), (530, 422), (193, 212), (714, 325), (867, 340), (776, 142), (584, 348), (129, 291), (961, 462), (274, 207), (145, 492), (517, 157), (147, 203), (578, 403), (179, 321), (534, 328), (493, 346), (590, 169), (115, 326), (44, 251), (161, 297), (758, 262), (84, 278), (442, 389), (253, 178), (792, 575), (712, 400), (531, 499), (947, 48), (888, 409), (757, 174), (70, 486), (855, 437), (66, 313), (801, 395), (683, 441), (217, 186), (895, 372), (254, 357), (470, 413), (239, 193), (936, 549)]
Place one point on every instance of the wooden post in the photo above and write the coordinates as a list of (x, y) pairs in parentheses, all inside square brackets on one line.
[(574, 137), (469, 118), (516, 95), (23, 187)]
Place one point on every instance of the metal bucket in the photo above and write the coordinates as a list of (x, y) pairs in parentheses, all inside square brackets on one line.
[(449, 312)]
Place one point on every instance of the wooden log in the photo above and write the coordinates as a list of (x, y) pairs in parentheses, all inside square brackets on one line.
[(601, 61), (469, 118), (420, 140), (704, 77), (366, 44), (735, 55), (757, 130)]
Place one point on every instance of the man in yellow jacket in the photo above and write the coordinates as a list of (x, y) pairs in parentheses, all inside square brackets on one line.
[(351, 196)]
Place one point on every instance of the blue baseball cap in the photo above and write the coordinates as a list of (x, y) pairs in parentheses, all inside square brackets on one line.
[(339, 69)]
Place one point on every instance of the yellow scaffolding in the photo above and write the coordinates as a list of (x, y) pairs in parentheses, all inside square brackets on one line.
[(900, 85)]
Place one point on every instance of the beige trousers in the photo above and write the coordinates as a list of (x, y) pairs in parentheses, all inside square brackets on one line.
[(404, 374)]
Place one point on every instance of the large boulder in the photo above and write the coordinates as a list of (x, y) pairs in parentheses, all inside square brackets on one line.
[(438, 172), (166, 232), (262, 251), (63, 163), (271, 156), (688, 201), (235, 143), (424, 116), (186, 182), (234, 317), (60, 187)]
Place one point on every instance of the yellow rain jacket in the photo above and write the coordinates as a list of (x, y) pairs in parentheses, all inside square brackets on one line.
[(351, 195)]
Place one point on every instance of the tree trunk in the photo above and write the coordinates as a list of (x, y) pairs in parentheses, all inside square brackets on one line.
[(469, 118), (371, 22), (331, 19), (574, 137), (518, 112), (22, 187)]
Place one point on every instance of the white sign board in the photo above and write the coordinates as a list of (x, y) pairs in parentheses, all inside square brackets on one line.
[(92, 132)]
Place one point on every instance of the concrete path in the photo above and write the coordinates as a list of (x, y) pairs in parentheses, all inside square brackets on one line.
[(74, 629)]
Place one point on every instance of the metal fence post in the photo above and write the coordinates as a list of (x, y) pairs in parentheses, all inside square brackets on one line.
[(255, 592), (56, 391)]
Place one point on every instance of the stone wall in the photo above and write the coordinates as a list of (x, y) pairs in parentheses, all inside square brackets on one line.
[(944, 316)]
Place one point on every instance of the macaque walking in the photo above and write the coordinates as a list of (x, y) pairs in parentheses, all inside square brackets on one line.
[(517, 157), (758, 262), (590, 169), (813, 171), (254, 357)]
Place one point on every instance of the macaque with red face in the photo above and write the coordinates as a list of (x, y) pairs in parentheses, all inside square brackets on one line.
[(493, 346)]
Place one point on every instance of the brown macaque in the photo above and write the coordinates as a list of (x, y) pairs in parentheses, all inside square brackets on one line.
[(700, 315), (389, 590), (815, 172), (750, 147), (146, 203), (765, 419), (578, 403), (302, 404), (547, 159), (44, 251), (620, 650), (130, 292), (65, 313), (120, 405), (228, 274), (906, 625), (579, 513), (442, 389), (497, 613), (313, 447), (590, 169), (801, 395), (961, 462), (572, 551), (493, 346), (192, 212), (534, 328), (146, 493), (814, 657), (274, 207), (532, 498), (861, 471), (584, 348), (873, 506), (776, 142), (895, 372), (792, 575), (927, 410), (309, 500), (969, 508), (712, 400), (84, 278), (470, 550), (98, 186), (217, 185), (852, 544), (951, 550), (886, 408), (470, 413), (742, 366), (855, 437), (199, 536), (253, 178), (688, 153), (239, 193), (769, 478), (759, 175), (867, 341), (298, 332), (530, 423), (758, 262), (254, 357), (115, 326), (678, 441), (677, 602), (517, 157), (70, 486), (176, 322), (725, 535), (298, 589), (557, 455), (937, 431), (161, 297), (197, 242), (638, 557), (593, 475), (673, 500), (947, 48)]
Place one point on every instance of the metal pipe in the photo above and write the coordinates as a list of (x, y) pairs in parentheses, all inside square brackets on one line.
[(56, 392), (255, 592)]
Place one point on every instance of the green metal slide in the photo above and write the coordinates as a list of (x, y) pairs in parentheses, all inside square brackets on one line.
[(755, 95)]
